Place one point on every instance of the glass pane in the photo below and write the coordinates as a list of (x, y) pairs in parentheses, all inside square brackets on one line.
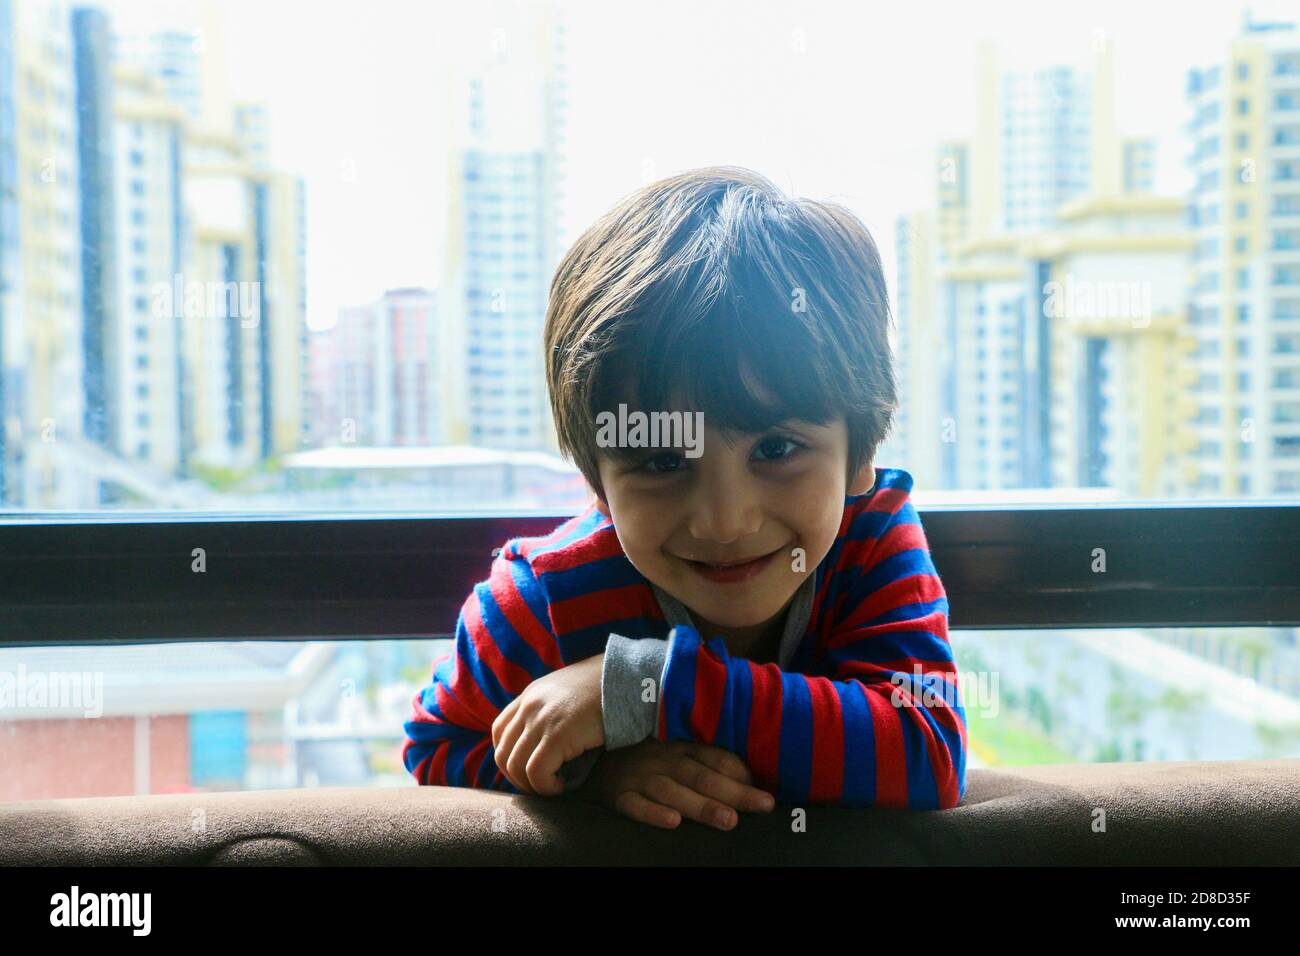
[(1081, 696), (179, 718), (243, 272)]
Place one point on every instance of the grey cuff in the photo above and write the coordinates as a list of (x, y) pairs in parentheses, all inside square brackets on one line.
[(629, 717)]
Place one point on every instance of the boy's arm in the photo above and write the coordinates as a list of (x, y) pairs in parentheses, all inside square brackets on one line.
[(872, 734), (504, 642)]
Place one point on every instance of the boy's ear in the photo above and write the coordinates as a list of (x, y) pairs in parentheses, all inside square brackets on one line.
[(864, 480)]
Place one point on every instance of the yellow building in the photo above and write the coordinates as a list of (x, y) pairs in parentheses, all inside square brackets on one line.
[(1245, 304), (1114, 302), (42, 313), (997, 392)]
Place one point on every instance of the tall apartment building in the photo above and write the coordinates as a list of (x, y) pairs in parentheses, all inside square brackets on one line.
[(376, 374), (173, 56), (280, 206), (151, 265), (240, 290), (916, 346), (151, 400), (1107, 346), (279, 215), (252, 129), (91, 46), (1045, 144), (1245, 302), (926, 243), (504, 235), (12, 348), (960, 339), (979, 363), (41, 310), (223, 330)]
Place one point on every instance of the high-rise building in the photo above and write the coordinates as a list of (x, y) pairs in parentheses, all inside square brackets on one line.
[(375, 374), (240, 288), (504, 235), (1139, 165), (152, 291), (224, 338), (151, 399), (1245, 302), (915, 349), (979, 362), (242, 275), (1046, 127), (91, 43), (175, 57), (252, 129), (1107, 345), (44, 380), (281, 208), (12, 348), (980, 366)]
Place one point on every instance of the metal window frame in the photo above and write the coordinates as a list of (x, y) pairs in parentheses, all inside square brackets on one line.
[(127, 579)]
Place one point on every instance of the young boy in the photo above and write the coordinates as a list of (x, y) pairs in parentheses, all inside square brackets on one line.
[(748, 606)]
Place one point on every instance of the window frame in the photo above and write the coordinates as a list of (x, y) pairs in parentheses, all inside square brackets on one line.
[(89, 579)]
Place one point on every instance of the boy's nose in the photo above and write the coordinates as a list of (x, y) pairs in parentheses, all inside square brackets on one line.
[(724, 511)]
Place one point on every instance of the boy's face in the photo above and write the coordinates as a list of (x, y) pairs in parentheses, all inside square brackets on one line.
[(747, 496)]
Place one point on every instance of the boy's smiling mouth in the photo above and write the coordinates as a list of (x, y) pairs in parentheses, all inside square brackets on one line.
[(732, 571)]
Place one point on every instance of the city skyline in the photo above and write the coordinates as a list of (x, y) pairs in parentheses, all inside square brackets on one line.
[(768, 67), (192, 193)]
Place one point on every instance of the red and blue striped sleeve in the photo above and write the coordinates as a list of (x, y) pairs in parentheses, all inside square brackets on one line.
[(504, 641), (886, 728)]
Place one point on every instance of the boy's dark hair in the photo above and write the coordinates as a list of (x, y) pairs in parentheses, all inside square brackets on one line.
[(698, 285)]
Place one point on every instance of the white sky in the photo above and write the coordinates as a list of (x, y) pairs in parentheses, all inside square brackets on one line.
[(841, 101)]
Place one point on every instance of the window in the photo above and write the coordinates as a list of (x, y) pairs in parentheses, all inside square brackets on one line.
[(385, 353), (331, 714), (1072, 696), (277, 697)]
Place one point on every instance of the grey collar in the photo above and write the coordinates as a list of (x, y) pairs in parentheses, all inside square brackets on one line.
[(796, 617)]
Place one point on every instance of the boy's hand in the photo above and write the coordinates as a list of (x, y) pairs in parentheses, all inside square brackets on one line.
[(658, 782), (556, 718)]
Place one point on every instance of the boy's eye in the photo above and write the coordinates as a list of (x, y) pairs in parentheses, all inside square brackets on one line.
[(772, 448), (776, 447), (663, 463)]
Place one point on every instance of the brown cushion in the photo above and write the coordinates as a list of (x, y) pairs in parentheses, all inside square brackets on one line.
[(1214, 813)]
